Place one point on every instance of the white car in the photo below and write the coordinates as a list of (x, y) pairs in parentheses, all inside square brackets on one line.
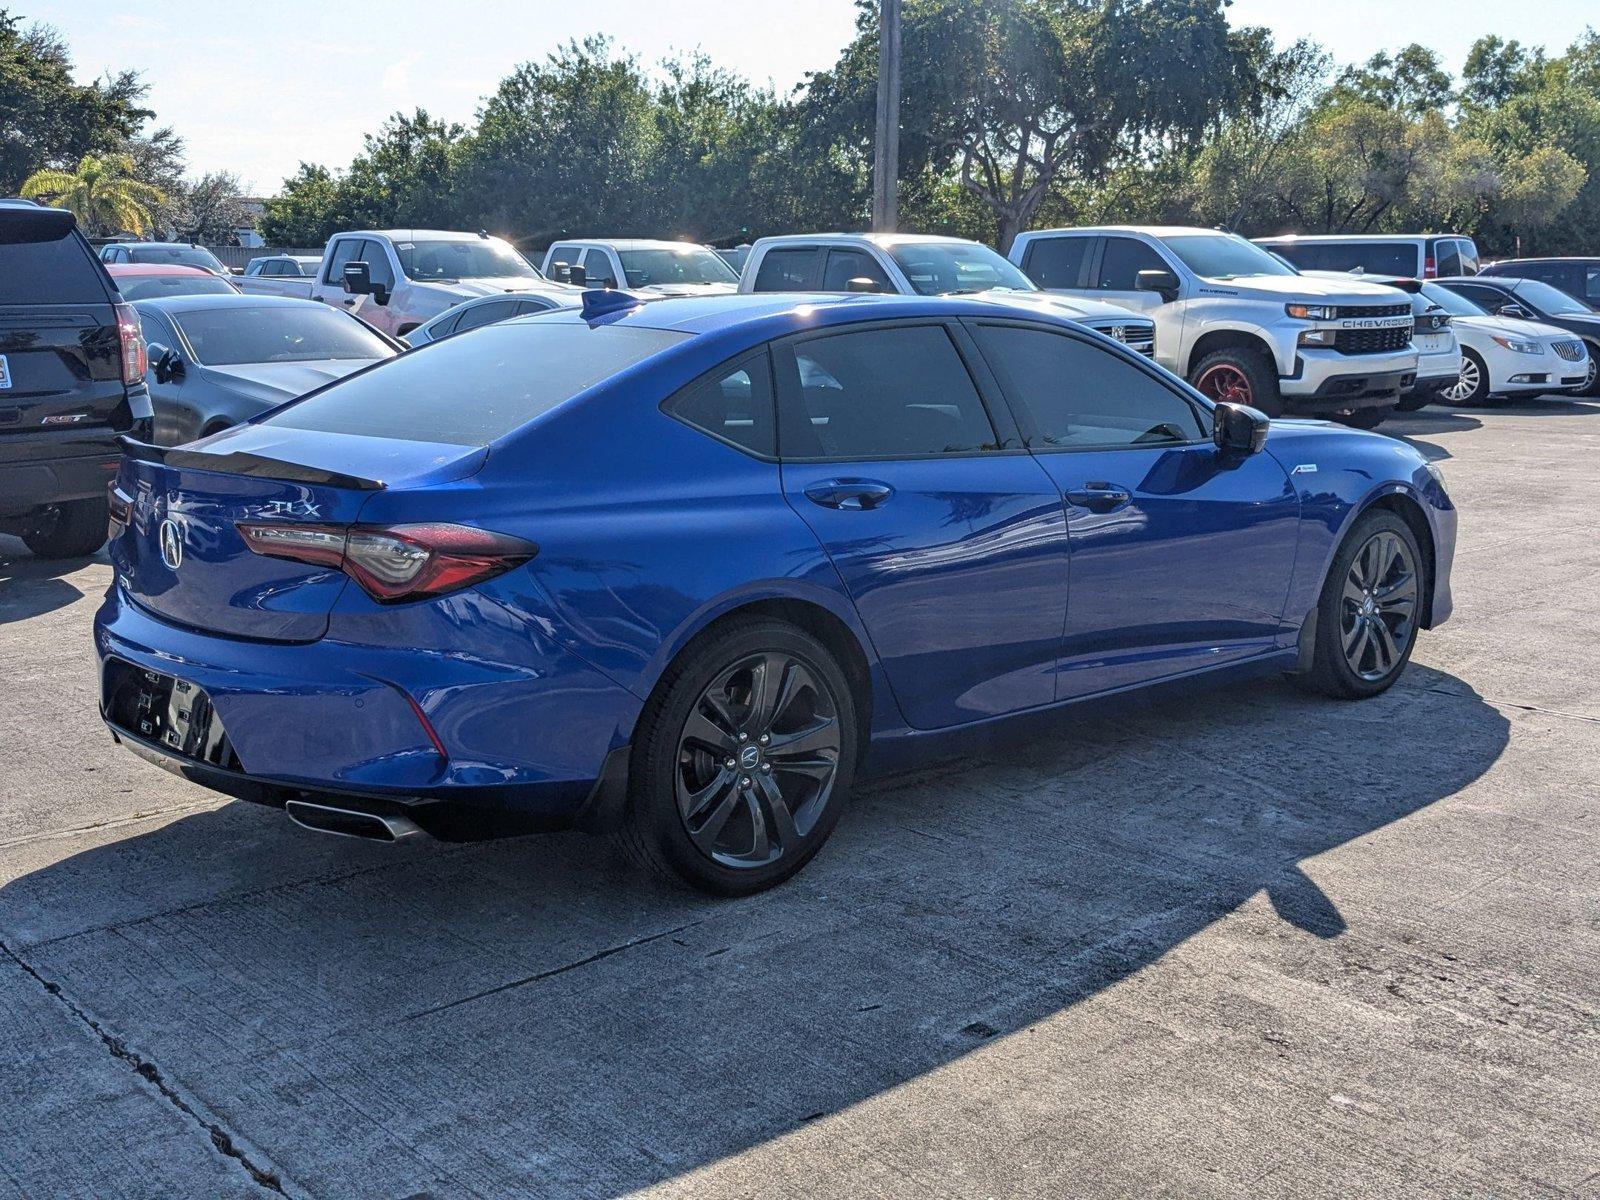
[(640, 265), (488, 310), (1504, 356), (909, 264)]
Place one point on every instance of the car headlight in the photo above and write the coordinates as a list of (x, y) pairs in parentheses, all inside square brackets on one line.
[(1518, 346), (1311, 312)]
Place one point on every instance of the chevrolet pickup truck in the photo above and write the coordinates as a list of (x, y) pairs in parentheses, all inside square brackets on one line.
[(1238, 323)]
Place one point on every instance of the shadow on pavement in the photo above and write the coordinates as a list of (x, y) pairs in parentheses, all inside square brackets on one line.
[(529, 1016), (31, 587)]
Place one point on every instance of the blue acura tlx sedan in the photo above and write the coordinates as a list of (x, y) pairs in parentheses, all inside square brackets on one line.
[(684, 570)]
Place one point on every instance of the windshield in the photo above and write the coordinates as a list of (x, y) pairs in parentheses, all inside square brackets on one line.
[(151, 287), (1550, 300), (948, 268), (469, 391), (183, 256), (690, 264), (1453, 303), (222, 337), (453, 261), (1223, 256)]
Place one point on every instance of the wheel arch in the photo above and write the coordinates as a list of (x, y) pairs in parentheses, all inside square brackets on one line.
[(1405, 505), (1230, 338)]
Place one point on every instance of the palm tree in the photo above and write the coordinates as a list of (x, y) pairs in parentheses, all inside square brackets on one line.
[(102, 193)]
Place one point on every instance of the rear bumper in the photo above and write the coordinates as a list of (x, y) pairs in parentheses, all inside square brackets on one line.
[(355, 726), (30, 485)]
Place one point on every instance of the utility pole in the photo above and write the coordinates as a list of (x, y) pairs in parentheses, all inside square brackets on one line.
[(886, 143)]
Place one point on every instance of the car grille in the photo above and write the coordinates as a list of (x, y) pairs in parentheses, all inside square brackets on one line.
[(1571, 351), (1373, 310), (1140, 336), (1372, 341)]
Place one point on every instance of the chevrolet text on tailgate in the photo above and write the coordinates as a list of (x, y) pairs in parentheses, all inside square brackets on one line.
[(1237, 322)]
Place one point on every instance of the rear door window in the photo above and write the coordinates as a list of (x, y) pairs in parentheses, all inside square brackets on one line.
[(470, 391), (790, 270), (55, 270), (847, 264), (893, 392), (1057, 262), (736, 406), (486, 314), (1591, 283)]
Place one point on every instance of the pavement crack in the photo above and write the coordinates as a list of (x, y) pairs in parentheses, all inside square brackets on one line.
[(547, 974), (1534, 708), (148, 1071)]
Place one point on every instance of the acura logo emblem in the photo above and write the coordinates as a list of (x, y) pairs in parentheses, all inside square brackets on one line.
[(749, 758), (171, 544)]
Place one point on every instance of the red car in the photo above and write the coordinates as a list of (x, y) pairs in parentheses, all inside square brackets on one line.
[(151, 281)]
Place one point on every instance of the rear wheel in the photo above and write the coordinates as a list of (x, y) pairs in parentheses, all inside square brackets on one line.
[(75, 529), (1472, 385), (1367, 617), (743, 759), (1239, 375)]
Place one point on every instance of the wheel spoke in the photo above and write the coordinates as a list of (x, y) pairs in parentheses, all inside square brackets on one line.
[(1354, 593), (1387, 547), (706, 835), (1385, 651), (780, 819), (760, 843), (767, 681), (803, 743), (703, 730), (1356, 642), (693, 804), (816, 767)]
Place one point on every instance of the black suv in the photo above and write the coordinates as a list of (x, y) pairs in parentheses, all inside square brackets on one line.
[(1577, 277), (72, 365)]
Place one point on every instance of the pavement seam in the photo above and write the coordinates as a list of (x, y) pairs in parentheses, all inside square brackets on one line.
[(226, 1143), (1493, 703), (51, 835)]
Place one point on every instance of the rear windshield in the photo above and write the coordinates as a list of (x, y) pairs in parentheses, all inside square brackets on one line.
[(57, 271), (472, 389), (177, 256), (240, 333), (151, 287)]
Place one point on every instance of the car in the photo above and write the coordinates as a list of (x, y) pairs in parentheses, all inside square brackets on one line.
[(682, 570), (909, 264), (1577, 277), (487, 310), (146, 281), (182, 254), (399, 279), (215, 361), (1236, 320), (1412, 256), (1533, 300), (1438, 351), (280, 275), (1508, 357), (71, 382), (642, 266)]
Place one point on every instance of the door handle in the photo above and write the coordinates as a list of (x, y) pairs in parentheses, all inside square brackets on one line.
[(1099, 497), (853, 494)]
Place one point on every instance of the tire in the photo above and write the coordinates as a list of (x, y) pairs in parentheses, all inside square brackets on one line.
[(1367, 418), (702, 716), (1592, 388), (1416, 400), (1347, 662), (1239, 375), (1472, 388), (75, 529)]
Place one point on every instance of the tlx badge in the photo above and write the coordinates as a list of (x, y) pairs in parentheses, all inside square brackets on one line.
[(290, 508)]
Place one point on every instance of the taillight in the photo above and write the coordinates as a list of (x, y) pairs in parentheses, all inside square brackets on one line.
[(132, 339), (1429, 268), (119, 504), (396, 562)]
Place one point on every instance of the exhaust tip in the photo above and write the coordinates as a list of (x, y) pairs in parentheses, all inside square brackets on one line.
[(346, 822)]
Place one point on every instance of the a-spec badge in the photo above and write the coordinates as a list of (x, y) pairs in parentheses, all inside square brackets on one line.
[(1305, 469)]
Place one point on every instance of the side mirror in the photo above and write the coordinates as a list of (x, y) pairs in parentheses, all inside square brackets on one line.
[(357, 279), (236, 270), (1513, 310), (165, 364), (1161, 281), (862, 284), (577, 277), (561, 272), (1239, 429)]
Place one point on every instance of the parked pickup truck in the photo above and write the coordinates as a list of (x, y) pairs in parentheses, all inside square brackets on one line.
[(280, 275), (910, 264), (395, 279), (1237, 322), (638, 265)]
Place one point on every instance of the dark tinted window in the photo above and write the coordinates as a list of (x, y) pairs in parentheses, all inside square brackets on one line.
[(845, 265), (1591, 284), (469, 391), (1469, 256), (178, 256), (444, 326), (881, 393), (151, 287), (1447, 259), (60, 270), (1057, 262), (486, 314), (1487, 297), (736, 406), (1373, 258), (1074, 394), (534, 306), (345, 251), (306, 332), (376, 256), (789, 271), (597, 267), (1124, 258)]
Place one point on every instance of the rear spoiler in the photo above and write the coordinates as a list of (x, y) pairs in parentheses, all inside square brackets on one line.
[(24, 221), (242, 463)]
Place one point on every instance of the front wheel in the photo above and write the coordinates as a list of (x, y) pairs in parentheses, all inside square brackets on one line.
[(1368, 614), (1239, 375), (743, 759), (1472, 385), (1591, 383)]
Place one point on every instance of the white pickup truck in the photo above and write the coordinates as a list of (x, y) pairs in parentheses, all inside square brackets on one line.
[(1240, 324), (642, 265), (913, 264), (396, 279)]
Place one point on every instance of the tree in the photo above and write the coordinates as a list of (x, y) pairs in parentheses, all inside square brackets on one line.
[(1496, 70), (102, 193), (213, 209), (1411, 82), (405, 173), (307, 212), (47, 120), (1014, 96)]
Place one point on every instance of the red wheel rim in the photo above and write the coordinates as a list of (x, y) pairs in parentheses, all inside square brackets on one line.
[(1225, 384)]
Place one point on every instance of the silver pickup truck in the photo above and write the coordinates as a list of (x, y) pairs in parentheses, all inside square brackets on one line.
[(279, 275)]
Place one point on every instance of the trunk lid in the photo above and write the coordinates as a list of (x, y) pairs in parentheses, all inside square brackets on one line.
[(182, 556)]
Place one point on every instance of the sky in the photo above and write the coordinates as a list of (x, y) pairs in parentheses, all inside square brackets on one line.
[(257, 88)]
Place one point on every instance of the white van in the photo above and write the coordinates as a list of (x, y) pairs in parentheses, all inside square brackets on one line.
[(1409, 256)]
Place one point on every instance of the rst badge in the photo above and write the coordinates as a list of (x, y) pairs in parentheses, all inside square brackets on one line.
[(5, 374)]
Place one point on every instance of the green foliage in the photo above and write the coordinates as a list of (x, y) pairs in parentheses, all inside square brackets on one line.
[(101, 192)]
